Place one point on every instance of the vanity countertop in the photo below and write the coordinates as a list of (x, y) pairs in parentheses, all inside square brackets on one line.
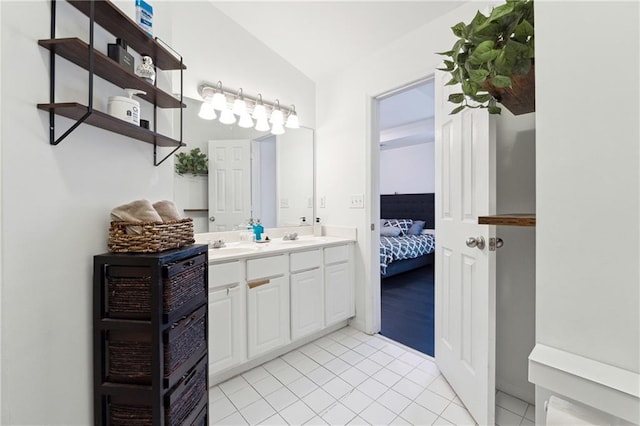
[(246, 249)]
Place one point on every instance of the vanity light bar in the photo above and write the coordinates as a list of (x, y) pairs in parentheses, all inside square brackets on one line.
[(255, 108)]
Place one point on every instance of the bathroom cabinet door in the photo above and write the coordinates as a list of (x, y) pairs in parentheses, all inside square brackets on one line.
[(267, 314), (339, 303), (227, 328), (307, 315)]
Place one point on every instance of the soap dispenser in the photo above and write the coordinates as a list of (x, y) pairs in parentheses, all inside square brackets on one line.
[(258, 229), (126, 108)]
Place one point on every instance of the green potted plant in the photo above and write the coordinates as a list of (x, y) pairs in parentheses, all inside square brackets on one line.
[(194, 162), (493, 60)]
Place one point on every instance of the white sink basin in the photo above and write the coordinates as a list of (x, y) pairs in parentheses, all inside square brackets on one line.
[(229, 251), (304, 241)]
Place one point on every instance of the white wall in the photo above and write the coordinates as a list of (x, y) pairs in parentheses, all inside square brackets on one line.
[(588, 186), (344, 148), (56, 200), (588, 181), (515, 262), (408, 170), (216, 48), (55, 215)]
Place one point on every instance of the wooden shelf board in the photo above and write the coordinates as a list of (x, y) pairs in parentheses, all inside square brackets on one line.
[(77, 51), (111, 18), (196, 210), (99, 119), (515, 219)]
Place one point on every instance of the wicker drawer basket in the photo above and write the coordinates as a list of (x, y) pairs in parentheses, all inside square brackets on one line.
[(129, 288), (154, 236), (181, 405), (130, 354)]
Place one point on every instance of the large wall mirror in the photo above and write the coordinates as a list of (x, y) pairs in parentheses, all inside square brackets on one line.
[(251, 175)]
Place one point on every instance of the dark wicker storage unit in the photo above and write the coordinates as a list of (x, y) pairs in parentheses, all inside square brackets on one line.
[(150, 338)]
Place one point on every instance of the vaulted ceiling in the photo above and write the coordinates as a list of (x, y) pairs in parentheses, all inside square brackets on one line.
[(321, 37)]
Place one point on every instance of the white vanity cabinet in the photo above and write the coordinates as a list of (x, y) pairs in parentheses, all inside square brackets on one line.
[(267, 304), (338, 284), (227, 316), (307, 290), (275, 298)]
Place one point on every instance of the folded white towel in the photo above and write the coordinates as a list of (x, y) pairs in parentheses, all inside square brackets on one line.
[(138, 211), (167, 210)]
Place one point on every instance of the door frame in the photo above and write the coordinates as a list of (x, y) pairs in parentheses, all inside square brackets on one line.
[(374, 316)]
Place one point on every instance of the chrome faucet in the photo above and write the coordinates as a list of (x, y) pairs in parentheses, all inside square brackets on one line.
[(217, 244)]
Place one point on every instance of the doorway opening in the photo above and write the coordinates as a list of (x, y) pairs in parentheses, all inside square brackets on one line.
[(405, 119)]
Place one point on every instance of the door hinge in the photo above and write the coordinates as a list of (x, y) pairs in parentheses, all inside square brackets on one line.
[(373, 227)]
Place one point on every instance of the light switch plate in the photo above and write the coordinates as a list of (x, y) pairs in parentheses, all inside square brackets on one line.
[(357, 201)]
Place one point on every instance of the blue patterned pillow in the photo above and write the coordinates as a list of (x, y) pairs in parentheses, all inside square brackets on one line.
[(403, 224), (416, 228)]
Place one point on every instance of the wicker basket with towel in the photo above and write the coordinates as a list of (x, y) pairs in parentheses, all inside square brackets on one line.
[(142, 227)]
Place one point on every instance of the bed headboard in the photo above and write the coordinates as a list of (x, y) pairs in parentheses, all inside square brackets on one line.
[(409, 206)]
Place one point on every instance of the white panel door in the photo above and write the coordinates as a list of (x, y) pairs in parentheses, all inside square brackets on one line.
[(267, 315), (227, 329), (465, 276), (307, 314), (229, 184)]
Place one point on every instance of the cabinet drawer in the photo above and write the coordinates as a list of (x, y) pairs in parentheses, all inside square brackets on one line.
[(305, 260), (129, 289), (267, 267), (223, 274), (336, 254), (130, 351), (182, 404)]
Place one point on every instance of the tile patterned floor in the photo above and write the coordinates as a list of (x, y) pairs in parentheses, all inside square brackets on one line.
[(349, 378)]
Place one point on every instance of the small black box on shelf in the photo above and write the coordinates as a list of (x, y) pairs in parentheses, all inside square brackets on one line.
[(118, 52)]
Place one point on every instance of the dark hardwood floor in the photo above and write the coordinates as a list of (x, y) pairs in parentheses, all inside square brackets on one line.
[(408, 310)]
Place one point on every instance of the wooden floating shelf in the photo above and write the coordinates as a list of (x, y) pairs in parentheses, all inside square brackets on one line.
[(108, 16), (508, 219), (99, 119), (77, 51), (196, 210)]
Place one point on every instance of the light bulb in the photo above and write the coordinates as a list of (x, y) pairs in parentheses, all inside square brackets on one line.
[(206, 111), (277, 129), (262, 125), (292, 120), (227, 117), (245, 120), (277, 117), (219, 101), (259, 112), (239, 106)]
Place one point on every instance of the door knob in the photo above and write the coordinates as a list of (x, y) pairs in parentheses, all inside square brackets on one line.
[(212, 218), (476, 242)]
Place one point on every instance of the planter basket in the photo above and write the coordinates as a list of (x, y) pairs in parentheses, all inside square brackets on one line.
[(520, 98), (153, 237)]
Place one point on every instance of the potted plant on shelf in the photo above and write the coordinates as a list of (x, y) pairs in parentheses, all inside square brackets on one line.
[(194, 162), (493, 60)]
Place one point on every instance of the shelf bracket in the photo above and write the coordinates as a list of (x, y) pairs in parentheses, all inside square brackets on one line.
[(155, 119), (155, 154), (52, 78), (69, 130)]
